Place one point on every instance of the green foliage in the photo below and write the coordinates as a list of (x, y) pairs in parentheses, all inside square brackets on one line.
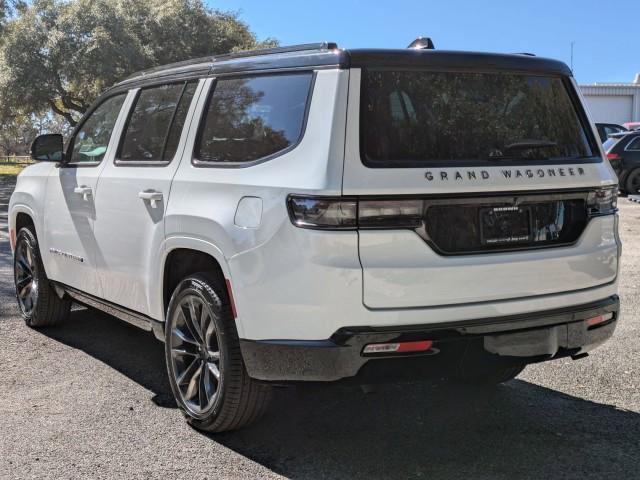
[(60, 55)]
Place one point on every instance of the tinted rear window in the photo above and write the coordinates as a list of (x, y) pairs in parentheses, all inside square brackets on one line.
[(414, 118)]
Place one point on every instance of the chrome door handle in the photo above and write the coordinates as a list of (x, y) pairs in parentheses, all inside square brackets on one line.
[(152, 196), (84, 191)]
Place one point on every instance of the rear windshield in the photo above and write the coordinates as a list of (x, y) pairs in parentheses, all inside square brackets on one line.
[(414, 118)]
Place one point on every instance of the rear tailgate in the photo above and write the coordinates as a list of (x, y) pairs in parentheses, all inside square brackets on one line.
[(462, 254)]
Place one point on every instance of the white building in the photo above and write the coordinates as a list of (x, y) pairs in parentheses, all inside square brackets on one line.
[(613, 102)]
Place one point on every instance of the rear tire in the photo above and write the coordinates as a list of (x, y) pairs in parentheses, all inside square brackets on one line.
[(632, 183), (39, 303), (489, 375), (206, 370)]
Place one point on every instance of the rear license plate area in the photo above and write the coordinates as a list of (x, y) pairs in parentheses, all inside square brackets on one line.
[(505, 225)]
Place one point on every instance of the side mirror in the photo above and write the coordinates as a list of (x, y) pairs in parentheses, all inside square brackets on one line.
[(48, 148)]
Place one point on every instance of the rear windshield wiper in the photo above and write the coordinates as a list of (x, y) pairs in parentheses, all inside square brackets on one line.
[(526, 144)]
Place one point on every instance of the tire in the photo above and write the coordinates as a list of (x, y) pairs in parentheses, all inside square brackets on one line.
[(632, 183), (489, 375), (230, 400), (39, 303)]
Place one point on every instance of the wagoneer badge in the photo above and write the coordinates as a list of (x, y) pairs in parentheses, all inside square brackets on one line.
[(69, 256), (445, 175)]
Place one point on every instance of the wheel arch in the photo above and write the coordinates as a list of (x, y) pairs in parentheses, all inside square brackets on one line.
[(183, 256), (21, 216)]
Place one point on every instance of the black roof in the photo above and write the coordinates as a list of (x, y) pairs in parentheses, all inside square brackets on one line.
[(328, 55)]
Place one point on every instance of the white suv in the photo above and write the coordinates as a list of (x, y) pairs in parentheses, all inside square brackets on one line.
[(313, 214)]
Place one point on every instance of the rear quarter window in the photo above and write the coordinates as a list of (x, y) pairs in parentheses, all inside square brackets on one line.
[(416, 118), (253, 118)]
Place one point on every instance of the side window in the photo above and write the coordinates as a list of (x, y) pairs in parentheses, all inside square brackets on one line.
[(155, 123), (634, 145), (173, 138), (92, 139), (250, 118)]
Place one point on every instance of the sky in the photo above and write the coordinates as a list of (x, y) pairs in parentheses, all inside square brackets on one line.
[(606, 34)]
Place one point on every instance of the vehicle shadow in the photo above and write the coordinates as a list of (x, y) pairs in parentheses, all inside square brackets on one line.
[(423, 430), (125, 348)]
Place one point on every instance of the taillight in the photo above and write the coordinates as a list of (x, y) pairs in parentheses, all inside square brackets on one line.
[(390, 213), (613, 156), (323, 212), (348, 214), (603, 201)]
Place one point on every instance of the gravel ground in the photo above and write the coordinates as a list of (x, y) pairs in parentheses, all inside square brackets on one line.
[(90, 400)]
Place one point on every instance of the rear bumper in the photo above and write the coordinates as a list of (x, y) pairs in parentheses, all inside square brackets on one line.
[(525, 338)]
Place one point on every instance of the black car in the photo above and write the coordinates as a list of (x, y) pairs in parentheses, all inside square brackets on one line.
[(623, 151), (607, 129)]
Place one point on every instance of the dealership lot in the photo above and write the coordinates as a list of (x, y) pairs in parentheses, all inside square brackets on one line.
[(90, 400)]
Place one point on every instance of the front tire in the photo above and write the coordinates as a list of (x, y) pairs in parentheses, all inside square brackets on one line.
[(39, 303), (206, 370)]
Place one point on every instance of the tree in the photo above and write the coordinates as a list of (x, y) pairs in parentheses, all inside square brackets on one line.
[(17, 133), (59, 55)]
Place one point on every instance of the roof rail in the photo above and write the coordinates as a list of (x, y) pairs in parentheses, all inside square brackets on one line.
[(275, 50), (229, 56)]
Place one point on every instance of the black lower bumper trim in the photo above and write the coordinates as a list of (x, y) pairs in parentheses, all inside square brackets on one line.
[(528, 337)]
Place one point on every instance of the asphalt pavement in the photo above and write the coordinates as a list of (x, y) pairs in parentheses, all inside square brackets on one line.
[(89, 399)]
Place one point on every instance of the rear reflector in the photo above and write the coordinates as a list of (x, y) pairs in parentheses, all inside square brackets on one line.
[(399, 347), (231, 299), (12, 239), (599, 319)]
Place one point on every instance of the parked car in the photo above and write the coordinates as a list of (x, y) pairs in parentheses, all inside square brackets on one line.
[(606, 129), (312, 214), (623, 152), (632, 125)]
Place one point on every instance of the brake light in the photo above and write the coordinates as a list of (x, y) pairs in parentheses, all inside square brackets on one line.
[(390, 213), (343, 213), (603, 201), (346, 213), (613, 156), (323, 212)]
